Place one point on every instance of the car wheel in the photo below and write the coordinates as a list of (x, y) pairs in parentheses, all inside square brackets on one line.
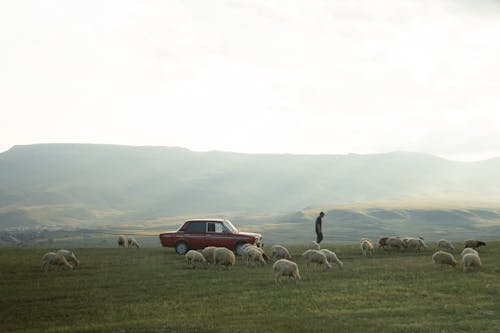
[(181, 247), (238, 249)]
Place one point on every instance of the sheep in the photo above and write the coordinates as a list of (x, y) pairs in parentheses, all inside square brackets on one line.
[(475, 244), (224, 257), (121, 241), (415, 243), (284, 267), (445, 245), (69, 256), (314, 246), (317, 257), (245, 257), (52, 258), (194, 257), (366, 247), (332, 258), (382, 242), (132, 242), (468, 250), (255, 256), (280, 252), (395, 243), (444, 258), (471, 262), (208, 253)]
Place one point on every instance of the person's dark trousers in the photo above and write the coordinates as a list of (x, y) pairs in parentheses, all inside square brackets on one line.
[(319, 237)]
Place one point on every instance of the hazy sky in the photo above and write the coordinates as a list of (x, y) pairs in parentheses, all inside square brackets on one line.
[(290, 76)]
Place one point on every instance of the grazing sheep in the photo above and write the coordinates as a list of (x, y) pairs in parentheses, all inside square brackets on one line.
[(382, 242), (395, 243), (69, 256), (245, 257), (472, 262), (444, 258), (314, 246), (121, 241), (255, 256), (52, 258), (468, 250), (415, 243), (445, 245), (366, 247), (284, 267), (208, 253), (317, 257), (475, 244), (194, 257), (332, 258), (224, 257), (132, 242), (280, 252)]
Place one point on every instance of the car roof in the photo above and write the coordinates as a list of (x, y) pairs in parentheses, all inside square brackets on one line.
[(206, 220)]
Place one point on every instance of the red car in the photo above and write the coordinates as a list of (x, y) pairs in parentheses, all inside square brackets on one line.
[(200, 233)]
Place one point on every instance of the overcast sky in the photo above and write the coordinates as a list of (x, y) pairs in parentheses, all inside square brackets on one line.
[(255, 76)]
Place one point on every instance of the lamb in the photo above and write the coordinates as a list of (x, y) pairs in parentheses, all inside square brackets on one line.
[(132, 242), (475, 244), (284, 267), (52, 258), (366, 247), (445, 245), (208, 253), (255, 256), (382, 242), (444, 258), (314, 246), (395, 243), (121, 241), (245, 257), (415, 243), (471, 262), (317, 257), (468, 250), (194, 257), (69, 256), (224, 257), (280, 252), (332, 258)]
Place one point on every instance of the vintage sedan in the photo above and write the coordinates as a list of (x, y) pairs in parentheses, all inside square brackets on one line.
[(200, 233)]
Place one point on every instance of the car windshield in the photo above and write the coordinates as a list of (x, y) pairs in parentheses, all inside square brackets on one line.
[(230, 226)]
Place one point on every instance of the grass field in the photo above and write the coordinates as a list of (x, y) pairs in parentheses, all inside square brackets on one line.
[(152, 290)]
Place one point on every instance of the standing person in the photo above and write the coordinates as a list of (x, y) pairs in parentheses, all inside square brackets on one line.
[(318, 229)]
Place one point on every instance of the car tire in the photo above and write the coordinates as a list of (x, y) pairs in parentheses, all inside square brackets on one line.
[(181, 247), (238, 248)]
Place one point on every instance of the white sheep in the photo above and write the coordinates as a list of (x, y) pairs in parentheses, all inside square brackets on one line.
[(255, 256), (69, 256), (471, 262), (284, 267), (194, 257), (121, 241), (332, 258), (245, 256), (469, 250), (314, 246), (316, 257), (366, 247), (208, 253), (132, 242), (52, 258), (444, 258), (445, 245), (415, 243), (280, 252), (396, 243), (224, 257)]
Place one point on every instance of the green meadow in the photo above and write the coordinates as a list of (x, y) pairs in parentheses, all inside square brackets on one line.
[(152, 290)]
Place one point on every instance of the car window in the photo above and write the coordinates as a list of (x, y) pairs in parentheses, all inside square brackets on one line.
[(215, 227), (196, 227)]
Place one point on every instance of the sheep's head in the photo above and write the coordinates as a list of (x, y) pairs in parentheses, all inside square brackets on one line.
[(479, 243)]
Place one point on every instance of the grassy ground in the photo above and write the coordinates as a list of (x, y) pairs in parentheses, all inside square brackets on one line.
[(152, 290)]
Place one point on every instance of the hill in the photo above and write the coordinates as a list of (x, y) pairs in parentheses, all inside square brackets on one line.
[(96, 185)]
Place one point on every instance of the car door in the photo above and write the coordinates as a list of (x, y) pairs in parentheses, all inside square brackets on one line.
[(217, 235), (195, 234)]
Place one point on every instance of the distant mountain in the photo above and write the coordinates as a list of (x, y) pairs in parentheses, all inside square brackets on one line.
[(73, 183)]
